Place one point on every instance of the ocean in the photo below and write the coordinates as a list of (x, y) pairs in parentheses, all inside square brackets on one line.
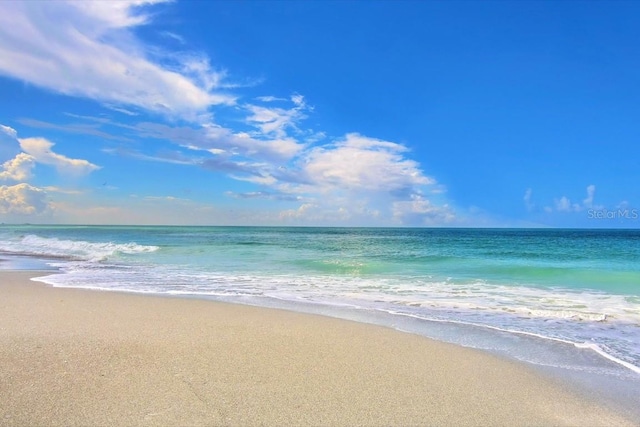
[(562, 300)]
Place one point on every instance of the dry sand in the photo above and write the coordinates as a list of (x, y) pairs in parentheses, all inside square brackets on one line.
[(76, 357)]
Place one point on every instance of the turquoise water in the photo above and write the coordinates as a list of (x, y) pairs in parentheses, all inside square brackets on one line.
[(574, 295)]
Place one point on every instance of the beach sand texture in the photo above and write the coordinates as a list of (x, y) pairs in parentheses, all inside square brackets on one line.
[(77, 357)]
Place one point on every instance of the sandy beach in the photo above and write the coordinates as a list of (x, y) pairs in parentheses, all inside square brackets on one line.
[(77, 357)]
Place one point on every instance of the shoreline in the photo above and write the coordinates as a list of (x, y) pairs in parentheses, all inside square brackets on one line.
[(84, 357)]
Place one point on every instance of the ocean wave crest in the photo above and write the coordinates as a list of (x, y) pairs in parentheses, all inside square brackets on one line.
[(72, 249)]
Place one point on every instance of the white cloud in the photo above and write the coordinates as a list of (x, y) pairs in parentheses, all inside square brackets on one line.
[(23, 199), (327, 214), (361, 163), (166, 199), (564, 204), (9, 131), (330, 184), (588, 202), (78, 128), (420, 211), (40, 150), (174, 36), (36, 150), (52, 189), (527, 199), (9, 147), (264, 195), (120, 110), (270, 98), (18, 168), (88, 49), (222, 141), (276, 121), (217, 137), (360, 180)]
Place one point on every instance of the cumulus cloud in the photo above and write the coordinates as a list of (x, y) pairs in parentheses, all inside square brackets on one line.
[(23, 199), (359, 162), (88, 49), (564, 204), (35, 150), (40, 149), (360, 180), (18, 168)]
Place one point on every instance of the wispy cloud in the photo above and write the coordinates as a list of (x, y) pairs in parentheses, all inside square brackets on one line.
[(270, 98), (173, 36), (9, 146), (277, 121), (270, 195), (53, 189), (527, 200), (588, 202), (220, 140), (174, 157), (89, 49), (92, 129), (121, 110), (167, 199)]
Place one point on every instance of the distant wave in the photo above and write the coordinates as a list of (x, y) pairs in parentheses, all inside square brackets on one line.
[(71, 249)]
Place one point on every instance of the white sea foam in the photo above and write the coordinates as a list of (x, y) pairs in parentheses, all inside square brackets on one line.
[(583, 319), (582, 345), (76, 249)]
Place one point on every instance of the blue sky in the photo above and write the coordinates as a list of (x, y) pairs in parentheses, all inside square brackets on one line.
[(380, 113)]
